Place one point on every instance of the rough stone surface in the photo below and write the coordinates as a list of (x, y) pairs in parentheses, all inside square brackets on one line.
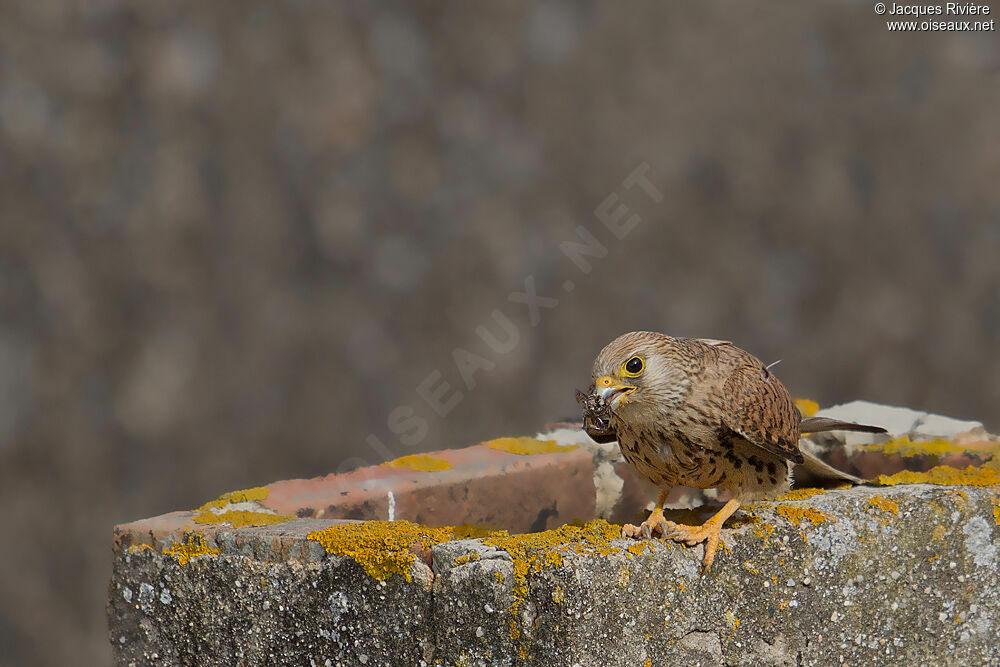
[(905, 574)]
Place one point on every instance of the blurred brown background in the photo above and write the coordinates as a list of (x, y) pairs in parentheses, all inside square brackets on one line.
[(235, 236)]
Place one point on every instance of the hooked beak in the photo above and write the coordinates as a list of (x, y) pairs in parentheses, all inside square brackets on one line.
[(611, 392)]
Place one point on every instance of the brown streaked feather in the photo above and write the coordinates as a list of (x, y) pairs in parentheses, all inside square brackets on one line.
[(761, 410), (820, 424)]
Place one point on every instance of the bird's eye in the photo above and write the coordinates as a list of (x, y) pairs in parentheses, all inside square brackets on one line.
[(633, 367)]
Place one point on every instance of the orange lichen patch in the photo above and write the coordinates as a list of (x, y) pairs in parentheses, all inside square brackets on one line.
[(241, 518), (528, 446), (801, 494), (533, 551), (799, 514), (382, 548), (883, 504), (807, 407), (971, 476), (420, 463), (939, 532), (136, 548), (194, 547), (466, 531), (467, 558), (905, 447), (257, 493), (750, 568), (958, 492), (996, 509), (558, 595), (763, 529), (636, 548)]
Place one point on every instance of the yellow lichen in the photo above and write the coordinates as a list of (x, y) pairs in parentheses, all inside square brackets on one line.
[(799, 514), (763, 530), (971, 476), (939, 532), (241, 518), (648, 662), (382, 548), (257, 493), (136, 548), (636, 548), (732, 620), (467, 558), (883, 504), (528, 446), (420, 463), (558, 595), (801, 494), (194, 547), (806, 407), (958, 492), (750, 568), (498, 577), (906, 448), (996, 509)]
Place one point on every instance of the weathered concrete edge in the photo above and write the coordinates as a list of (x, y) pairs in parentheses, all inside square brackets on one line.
[(777, 585)]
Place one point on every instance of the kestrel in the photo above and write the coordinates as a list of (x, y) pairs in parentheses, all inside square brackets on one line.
[(704, 414)]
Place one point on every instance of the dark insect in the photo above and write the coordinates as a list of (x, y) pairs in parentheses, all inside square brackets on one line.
[(596, 417)]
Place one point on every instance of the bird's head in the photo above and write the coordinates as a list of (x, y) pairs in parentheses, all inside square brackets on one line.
[(641, 377)]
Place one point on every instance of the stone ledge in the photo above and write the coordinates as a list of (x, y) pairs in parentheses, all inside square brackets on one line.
[(866, 574), (240, 581)]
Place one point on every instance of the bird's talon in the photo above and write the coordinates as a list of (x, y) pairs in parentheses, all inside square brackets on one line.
[(646, 532)]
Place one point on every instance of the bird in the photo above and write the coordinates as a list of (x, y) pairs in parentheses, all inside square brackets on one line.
[(701, 413)]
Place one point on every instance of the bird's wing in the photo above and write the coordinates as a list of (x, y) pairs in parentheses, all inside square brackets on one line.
[(759, 408)]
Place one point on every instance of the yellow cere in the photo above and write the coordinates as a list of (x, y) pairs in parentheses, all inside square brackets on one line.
[(798, 515), (528, 446), (257, 493), (194, 547), (884, 504), (801, 494), (420, 463), (970, 476), (806, 407), (242, 518)]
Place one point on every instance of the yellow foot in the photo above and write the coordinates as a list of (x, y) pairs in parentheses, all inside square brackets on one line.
[(656, 522), (709, 532)]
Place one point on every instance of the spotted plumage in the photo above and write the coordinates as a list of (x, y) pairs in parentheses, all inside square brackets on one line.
[(700, 413)]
